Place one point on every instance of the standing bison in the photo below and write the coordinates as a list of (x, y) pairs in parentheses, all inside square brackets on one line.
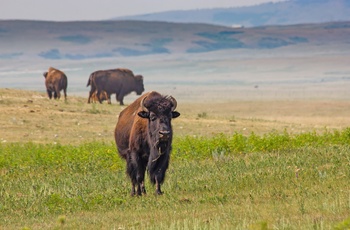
[(118, 81), (143, 136), (55, 81)]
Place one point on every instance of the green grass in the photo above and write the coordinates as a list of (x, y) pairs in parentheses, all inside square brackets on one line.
[(275, 181)]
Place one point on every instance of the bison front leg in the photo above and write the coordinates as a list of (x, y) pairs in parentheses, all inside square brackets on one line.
[(136, 171), (157, 172), (140, 177), (130, 170), (143, 188), (158, 190), (141, 183)]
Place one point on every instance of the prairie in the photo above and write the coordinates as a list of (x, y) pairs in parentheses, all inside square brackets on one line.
[(262, 141), (234, 166), (29, 116)]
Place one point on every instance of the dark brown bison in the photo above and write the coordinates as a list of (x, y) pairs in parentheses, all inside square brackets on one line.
[(143, 136), (118, 81), (55, 81)]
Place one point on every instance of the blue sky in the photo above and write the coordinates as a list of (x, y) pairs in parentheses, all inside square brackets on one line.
[(70, 10)]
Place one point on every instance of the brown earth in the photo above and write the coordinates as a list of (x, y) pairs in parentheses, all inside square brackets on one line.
[(29, 116)]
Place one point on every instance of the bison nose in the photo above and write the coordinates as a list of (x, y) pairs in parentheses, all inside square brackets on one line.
[(164, 134)]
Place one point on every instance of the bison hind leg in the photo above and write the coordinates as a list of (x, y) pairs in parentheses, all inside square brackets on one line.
[(56, 95), (120, 98), (49, 93)]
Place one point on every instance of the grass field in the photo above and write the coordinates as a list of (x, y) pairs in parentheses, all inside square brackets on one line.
[(232, 167)]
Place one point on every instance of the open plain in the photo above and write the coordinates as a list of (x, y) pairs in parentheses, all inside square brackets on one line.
[(29, 116), (262, 141)]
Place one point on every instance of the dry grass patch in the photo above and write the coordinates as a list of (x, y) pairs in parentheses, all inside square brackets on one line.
[(27, 116)]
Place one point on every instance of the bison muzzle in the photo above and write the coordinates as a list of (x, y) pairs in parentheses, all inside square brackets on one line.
[(143, 136)]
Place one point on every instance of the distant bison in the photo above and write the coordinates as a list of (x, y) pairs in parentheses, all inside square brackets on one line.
[(55, 81), (143, 136), (118, 81), (99, 97)]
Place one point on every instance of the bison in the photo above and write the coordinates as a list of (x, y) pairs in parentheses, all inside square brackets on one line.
[(55, 81), (143, 136), (118, 81), (101, 97)]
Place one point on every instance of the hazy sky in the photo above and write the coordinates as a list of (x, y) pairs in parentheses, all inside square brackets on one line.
[(68, 10)]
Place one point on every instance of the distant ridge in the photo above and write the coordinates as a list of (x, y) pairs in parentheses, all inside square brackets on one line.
[(111, 39), (281, 13)]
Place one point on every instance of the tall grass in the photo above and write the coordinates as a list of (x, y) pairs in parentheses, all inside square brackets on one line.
[(204, 147), (275, 181)]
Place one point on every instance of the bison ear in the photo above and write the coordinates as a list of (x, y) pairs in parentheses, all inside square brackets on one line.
[(143, 114), (175, 114), (45, 74)]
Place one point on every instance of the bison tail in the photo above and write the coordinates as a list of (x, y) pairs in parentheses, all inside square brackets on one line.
[(89, 81)]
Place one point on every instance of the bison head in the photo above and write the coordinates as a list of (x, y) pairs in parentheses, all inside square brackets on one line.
[(159, 110), (139, 88)]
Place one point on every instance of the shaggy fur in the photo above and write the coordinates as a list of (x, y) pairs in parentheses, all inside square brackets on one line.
[(55, 81), (143, 137)]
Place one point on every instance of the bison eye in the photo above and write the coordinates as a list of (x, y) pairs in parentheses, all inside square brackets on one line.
[(153, 117)]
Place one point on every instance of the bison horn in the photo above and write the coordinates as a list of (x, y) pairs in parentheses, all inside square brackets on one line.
[(143, 106), (173, 101)]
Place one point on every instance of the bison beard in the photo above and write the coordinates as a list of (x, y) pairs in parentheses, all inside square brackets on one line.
[(143, 137)]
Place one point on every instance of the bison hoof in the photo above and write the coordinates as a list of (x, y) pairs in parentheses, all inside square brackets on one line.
[(136, 194)]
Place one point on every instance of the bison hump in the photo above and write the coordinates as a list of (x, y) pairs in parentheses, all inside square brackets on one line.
[(125, 70)]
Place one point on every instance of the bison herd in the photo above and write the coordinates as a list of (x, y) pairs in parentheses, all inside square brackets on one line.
[(103, 84), (143, 133)]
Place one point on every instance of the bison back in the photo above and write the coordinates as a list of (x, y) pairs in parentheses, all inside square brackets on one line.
[(113, 81)]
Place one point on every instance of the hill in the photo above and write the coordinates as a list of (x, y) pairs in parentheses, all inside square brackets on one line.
[(280, 13), (105, 39)]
